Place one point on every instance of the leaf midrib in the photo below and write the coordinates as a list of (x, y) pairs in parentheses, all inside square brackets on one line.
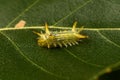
[(56, 27)]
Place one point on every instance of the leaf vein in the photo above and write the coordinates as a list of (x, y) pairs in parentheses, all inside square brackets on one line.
[(108, 40), (99, 66), (29, 60), (25, 10), (55, 27), (73, 11)]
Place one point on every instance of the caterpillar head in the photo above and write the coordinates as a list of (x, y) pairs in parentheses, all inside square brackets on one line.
[(44, 38)]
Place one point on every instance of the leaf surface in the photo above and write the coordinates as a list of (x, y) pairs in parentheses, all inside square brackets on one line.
[(22, 59)]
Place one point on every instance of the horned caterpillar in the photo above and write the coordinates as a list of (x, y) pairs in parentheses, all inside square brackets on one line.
[(51, 39)]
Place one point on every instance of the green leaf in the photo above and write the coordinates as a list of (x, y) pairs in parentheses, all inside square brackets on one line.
[(22, 59)]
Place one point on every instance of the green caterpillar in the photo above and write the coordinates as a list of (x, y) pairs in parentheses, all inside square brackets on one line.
[(59, 39)]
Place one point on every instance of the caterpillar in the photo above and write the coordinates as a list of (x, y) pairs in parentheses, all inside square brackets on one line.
[(54, 39)]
